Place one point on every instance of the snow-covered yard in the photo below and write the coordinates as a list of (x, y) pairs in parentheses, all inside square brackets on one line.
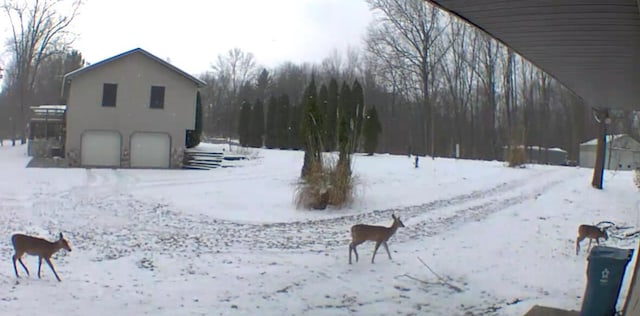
[(230, 241)]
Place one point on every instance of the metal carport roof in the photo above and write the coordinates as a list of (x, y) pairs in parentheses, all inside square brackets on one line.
[(591, 46)]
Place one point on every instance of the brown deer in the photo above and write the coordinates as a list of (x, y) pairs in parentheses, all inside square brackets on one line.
[(380, 234), (36, 247), (591, 232)]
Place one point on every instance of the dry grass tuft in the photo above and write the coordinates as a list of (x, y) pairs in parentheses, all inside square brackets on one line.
[(331, 184)]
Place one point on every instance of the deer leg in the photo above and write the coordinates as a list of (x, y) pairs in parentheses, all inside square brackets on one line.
[(375, 250), (350, 249), (52, 269), (387, 249), (355, 251), (590, 241), (578, 241), (353, 246), (22, 264), (39, 266), (598, 241), (14, 266)]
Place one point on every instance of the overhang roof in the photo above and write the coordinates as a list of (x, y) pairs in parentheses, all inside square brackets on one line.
[(590, 46), (162, 62)]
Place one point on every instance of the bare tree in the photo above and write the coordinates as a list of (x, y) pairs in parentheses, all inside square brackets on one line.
[(489, 55), (236, 67), (332, 66), (353, 65), (409, 33), (231, 72), (211, 99), (509, 77), (39, 31), (342, 67), (459, 75)]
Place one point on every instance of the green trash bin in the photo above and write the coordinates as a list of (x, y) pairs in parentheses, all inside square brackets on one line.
[(605, 272)]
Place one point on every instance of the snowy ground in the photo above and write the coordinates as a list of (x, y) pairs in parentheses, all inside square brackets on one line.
[(230, 241)]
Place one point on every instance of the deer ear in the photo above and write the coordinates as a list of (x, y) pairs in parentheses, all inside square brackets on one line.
[(393, 216), (60, 235)]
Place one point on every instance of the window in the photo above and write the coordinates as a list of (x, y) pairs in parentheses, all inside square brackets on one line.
[(109, 94), (157, 97)]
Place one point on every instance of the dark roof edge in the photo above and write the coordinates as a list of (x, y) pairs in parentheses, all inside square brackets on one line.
[(82, 70), (464, 19)]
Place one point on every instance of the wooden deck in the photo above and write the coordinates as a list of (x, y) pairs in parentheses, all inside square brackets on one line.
[(207, 160)]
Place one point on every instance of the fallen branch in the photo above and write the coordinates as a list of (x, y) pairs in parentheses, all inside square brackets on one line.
[(445, 282), (453, 287), (416, 279)]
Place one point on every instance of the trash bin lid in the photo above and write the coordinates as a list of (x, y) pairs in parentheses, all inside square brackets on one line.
[(610, 253)]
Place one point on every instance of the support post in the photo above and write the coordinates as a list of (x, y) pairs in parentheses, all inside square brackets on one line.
[(602, 118)]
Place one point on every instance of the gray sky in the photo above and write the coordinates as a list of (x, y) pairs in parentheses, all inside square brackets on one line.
[(191, 33)]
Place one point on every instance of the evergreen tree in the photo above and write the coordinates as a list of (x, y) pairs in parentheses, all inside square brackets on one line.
[(263, 82), (371, 129), (323, 96), (331, 122), (256, 124), (294, 127), (283, 122), (344, 117), (271, 130), (243, 123), (357, 99), (311, 128), (193, 136), (345, 110), (246, 92)]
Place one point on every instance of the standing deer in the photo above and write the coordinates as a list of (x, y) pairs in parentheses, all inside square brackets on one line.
[(380, 234), (591, 232), (36, 247)]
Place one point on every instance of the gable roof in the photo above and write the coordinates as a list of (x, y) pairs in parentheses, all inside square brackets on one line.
[(82, 70)]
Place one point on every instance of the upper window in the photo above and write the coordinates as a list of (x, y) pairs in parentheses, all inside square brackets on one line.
[(157, 97), (109, 94)]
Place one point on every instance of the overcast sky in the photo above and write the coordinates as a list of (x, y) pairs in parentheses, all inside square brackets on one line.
[(191, 33)]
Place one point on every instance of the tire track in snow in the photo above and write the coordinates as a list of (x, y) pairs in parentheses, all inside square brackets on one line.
[(331, 233), (117, 225)]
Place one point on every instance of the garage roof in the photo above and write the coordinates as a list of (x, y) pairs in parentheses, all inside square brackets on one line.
[(82, 70), (591, 46)]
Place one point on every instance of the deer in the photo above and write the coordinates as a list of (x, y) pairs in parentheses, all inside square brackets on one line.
[(591, 232), (35, 246), (380, 234)]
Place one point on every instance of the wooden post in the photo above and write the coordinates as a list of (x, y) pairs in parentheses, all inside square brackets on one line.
[(602, 117)]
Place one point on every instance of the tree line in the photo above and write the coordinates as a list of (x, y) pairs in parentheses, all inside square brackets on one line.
[(435, 82), (332, 110)]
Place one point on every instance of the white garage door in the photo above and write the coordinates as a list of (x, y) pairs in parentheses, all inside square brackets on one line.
[(150, 150), (100, 149)]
